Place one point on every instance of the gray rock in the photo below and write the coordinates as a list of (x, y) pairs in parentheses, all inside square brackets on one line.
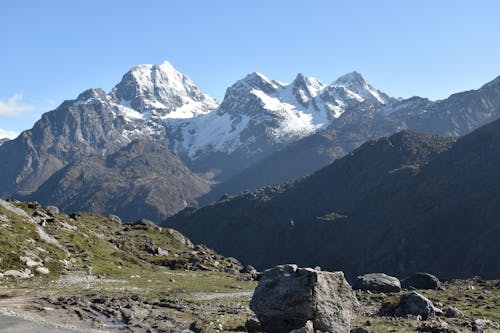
[(52, 210), (23, 274), (422, 281), (452, 312), (436, 327), (115, 218), (415, 304), (480, 324), (249, 269), (161, 252), (378, 282), (42, 270), (287, 297)]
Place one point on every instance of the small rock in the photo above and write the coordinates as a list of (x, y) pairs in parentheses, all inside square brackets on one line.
[(413, 303), (42, 270), (30, 262), (114, 218), (378, 282), (24, 274), (4, 219), (161, 252), (52, 210), (34, 205), (452, 312), (436, 327), (249, 269), (422, 281)]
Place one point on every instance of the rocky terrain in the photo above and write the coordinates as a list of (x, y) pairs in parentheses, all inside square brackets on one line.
[(401, 204), (92, 271)]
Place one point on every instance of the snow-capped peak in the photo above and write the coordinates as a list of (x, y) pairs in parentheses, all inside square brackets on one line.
[(356, 86), (309, 84), (163, 89)]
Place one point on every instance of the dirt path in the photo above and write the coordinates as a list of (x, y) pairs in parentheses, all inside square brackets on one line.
[(211, 296), (18, 314)]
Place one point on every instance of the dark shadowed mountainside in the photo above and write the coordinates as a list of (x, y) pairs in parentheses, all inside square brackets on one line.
[(406, 203)]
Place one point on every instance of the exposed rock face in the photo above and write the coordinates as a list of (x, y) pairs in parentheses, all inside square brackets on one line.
[(422, 281), (379, 282), (141, 180), (416, 304), (287, 297)]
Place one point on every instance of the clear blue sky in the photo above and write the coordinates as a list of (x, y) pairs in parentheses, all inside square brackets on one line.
[(52, 50)]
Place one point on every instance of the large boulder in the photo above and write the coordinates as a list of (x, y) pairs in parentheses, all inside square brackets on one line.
[(378, 282), (287, 297), (422, 281), (415, 304)]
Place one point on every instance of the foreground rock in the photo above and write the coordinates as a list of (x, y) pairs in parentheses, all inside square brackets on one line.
[(378, 282), (287, 297), (422, 281)]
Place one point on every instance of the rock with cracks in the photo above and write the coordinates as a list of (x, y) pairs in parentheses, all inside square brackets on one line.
[(287, 297)]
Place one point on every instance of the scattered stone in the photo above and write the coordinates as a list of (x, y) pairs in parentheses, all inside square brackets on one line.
[(287, 297), (249, 269), (34, 205), (422, 281), (413, 303), (378, 282), (30, 262), (480, 324), (52, 210), (149, 247), (114, 218), (4, 219), (23, 274), (436, 327), (74, 216), (161, 252), (42, 270), (452, 312)]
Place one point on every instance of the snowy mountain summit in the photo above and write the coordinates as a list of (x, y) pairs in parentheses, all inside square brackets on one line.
[(258, 114), (161, 89)]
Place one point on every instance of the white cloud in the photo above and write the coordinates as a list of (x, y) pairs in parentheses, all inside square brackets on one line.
[(14, 107), (8, 134)]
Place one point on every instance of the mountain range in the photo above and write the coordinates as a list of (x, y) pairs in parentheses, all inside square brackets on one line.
[(263, 132), (400, 204)]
